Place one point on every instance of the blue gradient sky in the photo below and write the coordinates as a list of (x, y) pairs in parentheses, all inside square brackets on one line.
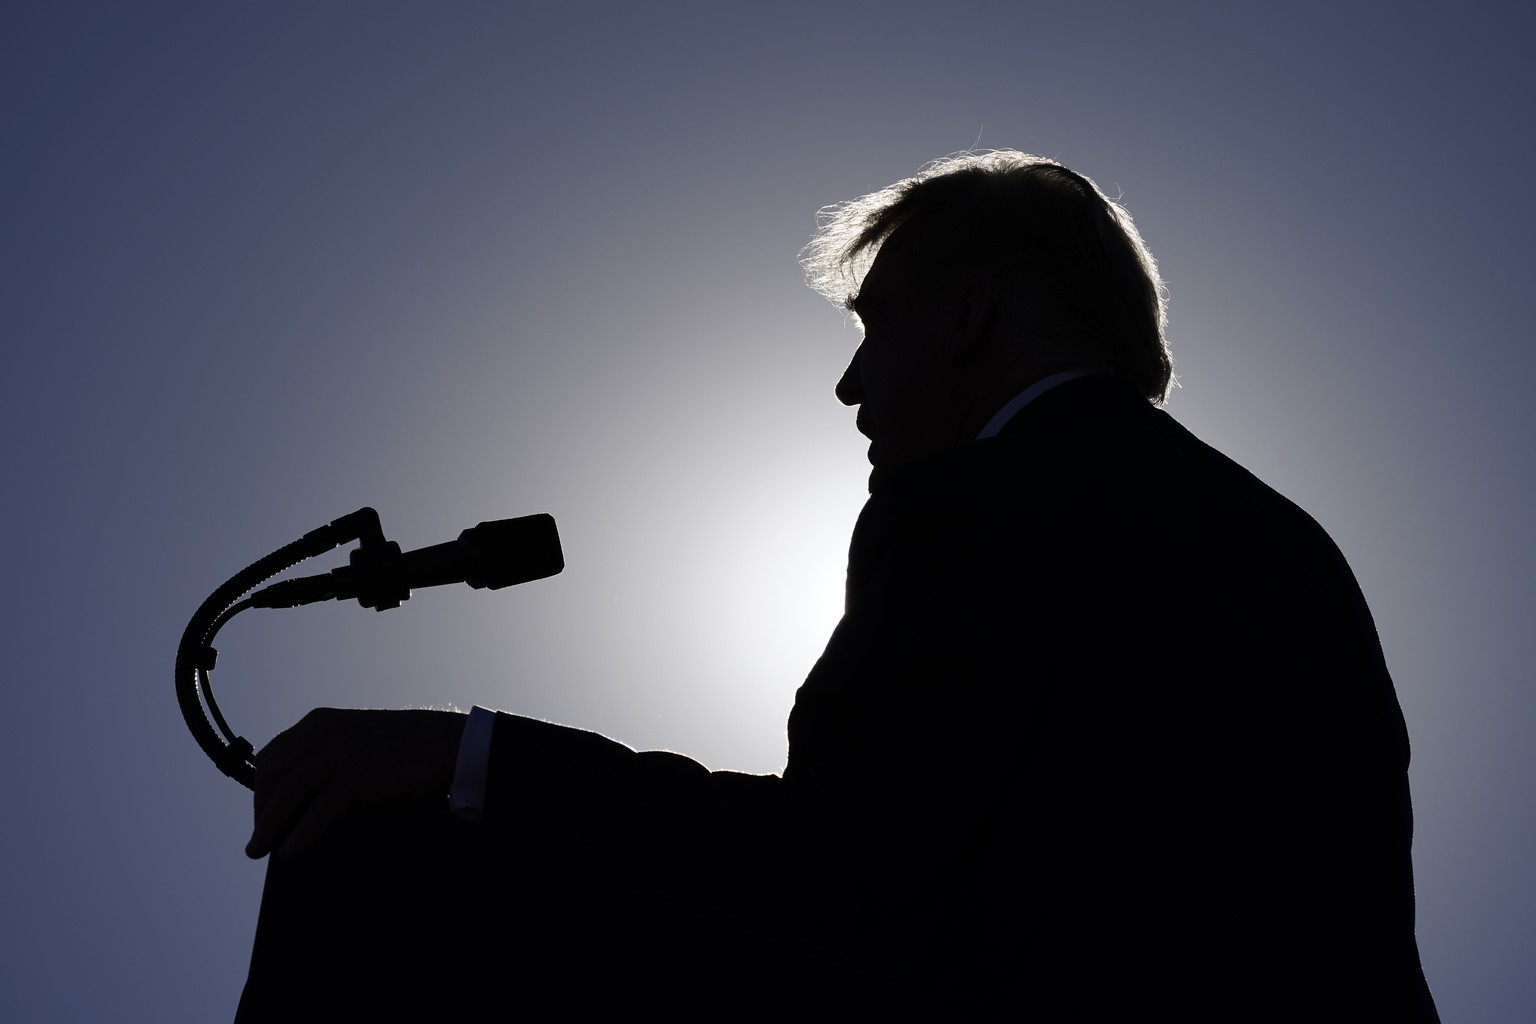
[(263, 264)]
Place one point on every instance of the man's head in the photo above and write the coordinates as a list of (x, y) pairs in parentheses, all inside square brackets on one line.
[(979, 276)]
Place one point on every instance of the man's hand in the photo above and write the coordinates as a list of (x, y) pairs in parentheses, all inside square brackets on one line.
[(335, 762)]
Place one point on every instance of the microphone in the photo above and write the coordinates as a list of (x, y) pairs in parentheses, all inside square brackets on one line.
[(488, 556)]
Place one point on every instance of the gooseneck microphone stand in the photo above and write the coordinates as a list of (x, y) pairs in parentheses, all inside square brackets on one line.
[(491, 555)]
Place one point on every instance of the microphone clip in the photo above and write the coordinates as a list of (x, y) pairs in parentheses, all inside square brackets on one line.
[(375, 575)]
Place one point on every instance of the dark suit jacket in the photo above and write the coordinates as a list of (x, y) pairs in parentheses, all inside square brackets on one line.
[(1104, 734)]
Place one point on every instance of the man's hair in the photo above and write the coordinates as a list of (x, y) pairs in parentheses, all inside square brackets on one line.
[(1047, 232)]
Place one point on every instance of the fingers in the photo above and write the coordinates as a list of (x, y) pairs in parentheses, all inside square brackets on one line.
[(334, 762), (275, 764), (283, 801), (319, 815), (292, 770)]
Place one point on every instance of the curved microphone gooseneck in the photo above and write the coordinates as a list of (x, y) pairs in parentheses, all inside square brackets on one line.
[(490, 556)]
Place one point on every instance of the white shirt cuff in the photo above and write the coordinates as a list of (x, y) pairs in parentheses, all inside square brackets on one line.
[(467, 797)]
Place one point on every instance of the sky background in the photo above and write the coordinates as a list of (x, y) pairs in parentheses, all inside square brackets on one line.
[(262, 264)]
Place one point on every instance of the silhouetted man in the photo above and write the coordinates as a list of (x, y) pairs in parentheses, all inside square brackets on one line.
[(1104, 734)]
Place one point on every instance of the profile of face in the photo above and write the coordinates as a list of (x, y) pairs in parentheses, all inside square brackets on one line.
[(902, 376)]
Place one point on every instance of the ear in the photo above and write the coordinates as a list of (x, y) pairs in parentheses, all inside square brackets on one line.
[(977, 307)]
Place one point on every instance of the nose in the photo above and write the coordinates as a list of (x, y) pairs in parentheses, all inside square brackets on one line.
[(850, 390)]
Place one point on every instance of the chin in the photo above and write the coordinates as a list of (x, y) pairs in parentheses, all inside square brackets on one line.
[(876, 475)]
